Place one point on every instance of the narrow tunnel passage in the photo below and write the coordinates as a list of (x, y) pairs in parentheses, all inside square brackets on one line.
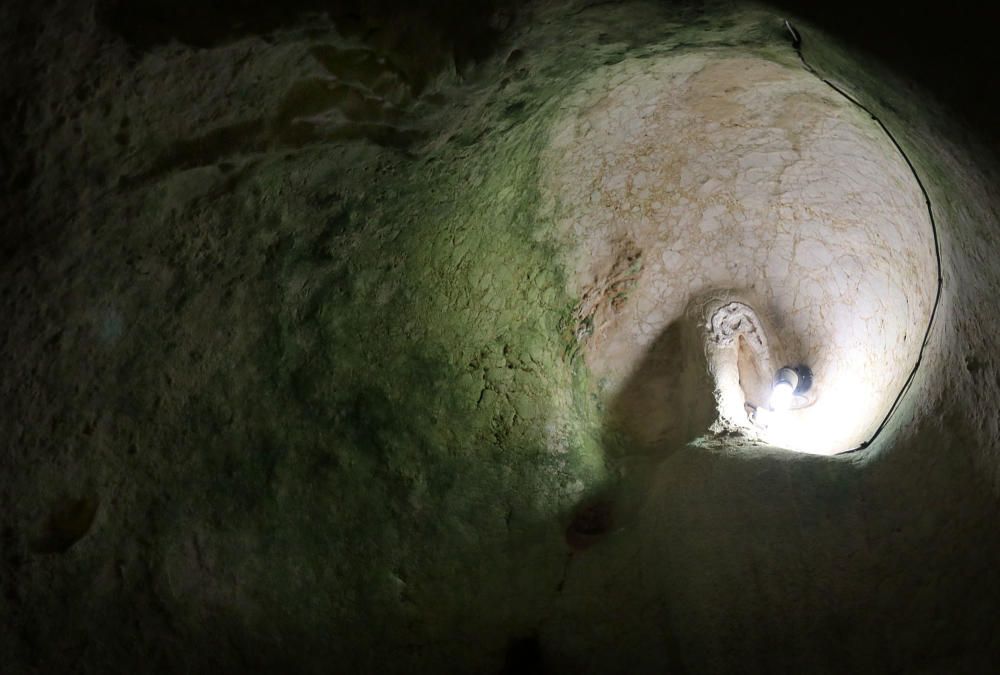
[(734, 175), (452, 337)]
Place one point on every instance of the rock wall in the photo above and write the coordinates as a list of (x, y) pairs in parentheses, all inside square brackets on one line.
[(299, 374)]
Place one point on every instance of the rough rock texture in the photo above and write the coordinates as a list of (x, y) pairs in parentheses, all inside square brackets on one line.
[(295, 379), (727, 170)]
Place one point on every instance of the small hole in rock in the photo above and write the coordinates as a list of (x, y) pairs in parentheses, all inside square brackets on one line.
[(68, 521), (591, 522)]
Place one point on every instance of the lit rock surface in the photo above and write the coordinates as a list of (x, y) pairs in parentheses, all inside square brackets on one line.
[(334, 344), (723, 172)]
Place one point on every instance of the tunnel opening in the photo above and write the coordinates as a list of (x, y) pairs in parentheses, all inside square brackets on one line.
[(734, 171)]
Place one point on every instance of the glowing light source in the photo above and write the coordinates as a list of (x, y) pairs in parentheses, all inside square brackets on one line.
[(787, 394), (781, 396), (786, 382)]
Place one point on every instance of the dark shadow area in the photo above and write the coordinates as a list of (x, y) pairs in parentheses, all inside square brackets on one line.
[(69, 520), (524, 657), (665, 403), (865, 547), (668, 399), (592, 520), (949, 49), (420, 36)]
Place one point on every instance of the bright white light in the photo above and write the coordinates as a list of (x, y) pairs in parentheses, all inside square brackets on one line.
[(781, 396), (762, 417), (841, 411)]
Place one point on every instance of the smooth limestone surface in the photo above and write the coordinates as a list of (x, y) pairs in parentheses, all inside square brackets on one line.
[(328, 347)]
